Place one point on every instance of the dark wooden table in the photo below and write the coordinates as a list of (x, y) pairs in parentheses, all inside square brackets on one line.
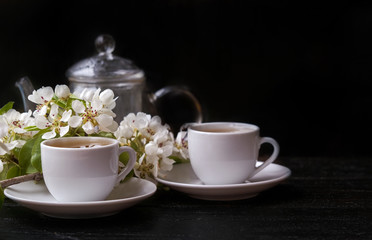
[(325, 198)]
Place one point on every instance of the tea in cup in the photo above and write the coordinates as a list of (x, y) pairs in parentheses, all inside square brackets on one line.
[(78, 169), (226, 152)]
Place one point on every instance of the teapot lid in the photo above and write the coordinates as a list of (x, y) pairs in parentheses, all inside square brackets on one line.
[(105, 66)]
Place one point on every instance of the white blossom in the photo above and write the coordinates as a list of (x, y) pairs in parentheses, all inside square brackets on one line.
[(11, 124), (123, 132), (181, 145), (166, 164), (43, 98), (86, 94), (92, 117), (3, 128), (42, 95), (62, 91), (3, 148), (108, 99), (153, 141), (55, 122), (15, 121)]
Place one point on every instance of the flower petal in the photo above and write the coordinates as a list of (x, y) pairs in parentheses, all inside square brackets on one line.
[(151, 148), (53, 112), (66, 115), (25, 116), (96, 94), (112, 128), (63, 130), (34, 97), (97, 104), (41, 112), (124, 132), (107, 112), (42, 95), (62, 91), (46, 93), (12, 145), (78, 106), (104, 120), (166, 164), (142, 120), (41, 122), (75, 121), (3, 149), (49, 135), (88, 128), (107, 98), (3, 128), (167, 149)]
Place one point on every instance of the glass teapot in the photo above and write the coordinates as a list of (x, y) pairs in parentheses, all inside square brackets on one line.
[(128, 82), (106, 70)]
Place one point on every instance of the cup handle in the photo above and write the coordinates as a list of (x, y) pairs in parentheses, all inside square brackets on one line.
[(130, 164), (271, 159)]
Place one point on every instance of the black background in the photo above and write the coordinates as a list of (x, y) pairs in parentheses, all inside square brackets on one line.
[(301, 71)]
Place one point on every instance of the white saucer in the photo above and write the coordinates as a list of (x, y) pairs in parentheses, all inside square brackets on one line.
[(182, 178), (37, 197)]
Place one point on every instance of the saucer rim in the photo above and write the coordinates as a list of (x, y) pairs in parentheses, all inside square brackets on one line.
[(84, 210), (83, 203), (228, 186)]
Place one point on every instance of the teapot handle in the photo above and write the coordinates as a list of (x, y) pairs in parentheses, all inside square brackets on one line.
[(168, 92), (26, 88)]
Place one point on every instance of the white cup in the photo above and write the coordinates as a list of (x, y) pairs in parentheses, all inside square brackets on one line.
[(226, 152), (77, 174)]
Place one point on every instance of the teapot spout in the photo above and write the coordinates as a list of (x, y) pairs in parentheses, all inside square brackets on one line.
[(26, 88)]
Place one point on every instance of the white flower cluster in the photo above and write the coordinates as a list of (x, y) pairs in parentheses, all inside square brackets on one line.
[(154, 142), (60, 113), (181, 145), (95, 114), (12, 126), (91, 110)]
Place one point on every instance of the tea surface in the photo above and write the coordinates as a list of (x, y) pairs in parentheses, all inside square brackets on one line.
[(226, 129), (78, 144)]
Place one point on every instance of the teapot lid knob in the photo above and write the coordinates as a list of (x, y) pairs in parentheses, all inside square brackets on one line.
[(105, 44), (105, 66)]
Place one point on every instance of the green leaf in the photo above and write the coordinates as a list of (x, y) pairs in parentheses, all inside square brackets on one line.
[(60, 102), (106, 135), (30, 156), (3, 174), (137, 145), (36, 154), (179, 159), (10, 170), (6, 108), (129, 176), (16, 152), (124, 158), (15, 171), (25, 157), (32, 128)]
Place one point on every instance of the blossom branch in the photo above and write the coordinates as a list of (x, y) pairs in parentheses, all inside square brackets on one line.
[(33, 176)]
